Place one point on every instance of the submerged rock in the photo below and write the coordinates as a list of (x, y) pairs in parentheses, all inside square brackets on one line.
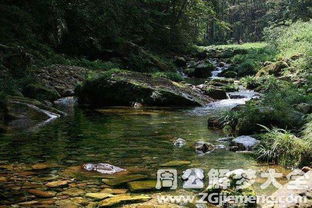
[(98, 196), (245, 143), (123, 179), (103, 168), (55, 184), (142, 185), (40, 193), (202, 147), (125, 88), (179, 142), (123, 198)]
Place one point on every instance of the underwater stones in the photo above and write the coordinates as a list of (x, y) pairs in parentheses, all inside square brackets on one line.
[(123, 198), (103, 168), (179, 142), (55, 184), (73, 192), (142, 185), (98, 196), (123, 179), (176, 163), (114, 191), (3, 179), (204, 147), (40, 193), (42, 166), (245, 143)]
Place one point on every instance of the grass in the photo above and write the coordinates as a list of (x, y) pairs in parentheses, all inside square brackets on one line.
[(283, 148)]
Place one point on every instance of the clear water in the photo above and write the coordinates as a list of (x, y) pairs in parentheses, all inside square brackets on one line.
[(123, 137)]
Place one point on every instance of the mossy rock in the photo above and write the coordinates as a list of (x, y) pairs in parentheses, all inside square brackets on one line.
[(215, 92), (275, 69), (142, 185), (125, 88), (39, 92), (229, 74)]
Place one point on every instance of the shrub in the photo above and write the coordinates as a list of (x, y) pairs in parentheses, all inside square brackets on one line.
[(283, 148)]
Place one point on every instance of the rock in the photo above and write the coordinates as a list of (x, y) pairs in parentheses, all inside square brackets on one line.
[(245, 143), (98, 196), (306, 169), (304, 108), (137, 105), (214, 123), (220, 146), (3, 179), (73, 192), (66, 101), (215, 92), (67, 204), (141, 185), (39, 92), (55, 184), (273, 69), (176, 163), (180, 61), (40, 193), (179, 142), (221, 64), (61, 78), (125, 88), (123, 198), (204, 147), (103, 168), (235, 96), (42, 166), (123, 179), (114, 191), (296, 56), (225, 139)]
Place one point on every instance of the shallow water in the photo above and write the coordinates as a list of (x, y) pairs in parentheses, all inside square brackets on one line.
[(128, 138), (123, 137)]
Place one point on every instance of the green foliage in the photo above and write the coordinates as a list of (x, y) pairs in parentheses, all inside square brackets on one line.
[(276, 108), (283, 148), (292, 40)]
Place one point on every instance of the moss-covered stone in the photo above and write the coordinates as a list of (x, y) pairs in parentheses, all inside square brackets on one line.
[(273, 69), (126, 88)]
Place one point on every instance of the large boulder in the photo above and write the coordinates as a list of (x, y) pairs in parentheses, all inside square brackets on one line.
[(124, 88), (215, 92), (201, 69)]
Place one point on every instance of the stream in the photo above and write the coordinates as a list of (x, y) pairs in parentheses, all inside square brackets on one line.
[(140, 140)]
